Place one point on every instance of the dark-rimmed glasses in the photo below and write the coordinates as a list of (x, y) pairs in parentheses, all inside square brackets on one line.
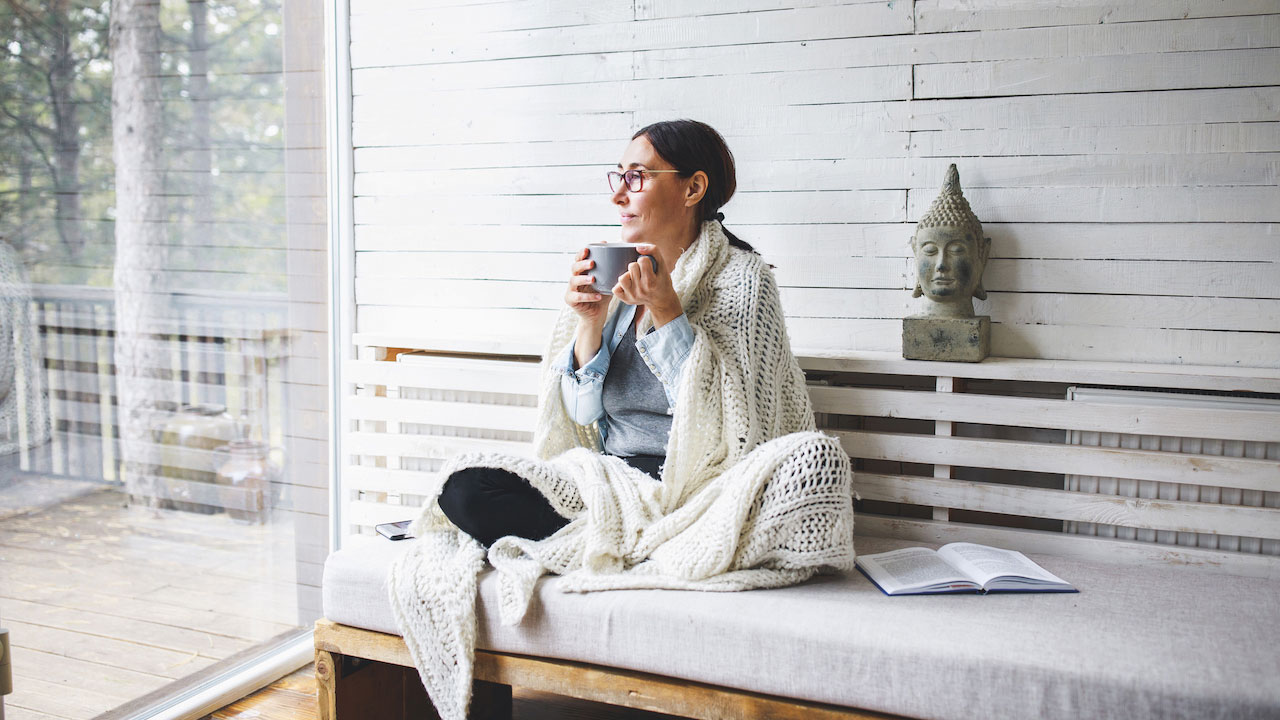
[(633, 178)]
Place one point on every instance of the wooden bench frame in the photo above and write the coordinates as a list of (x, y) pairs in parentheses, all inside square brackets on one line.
[(367, 674)]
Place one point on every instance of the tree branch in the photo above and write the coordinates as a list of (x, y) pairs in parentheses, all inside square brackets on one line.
[(25, 128)]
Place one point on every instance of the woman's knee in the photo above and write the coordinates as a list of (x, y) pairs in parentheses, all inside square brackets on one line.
[(461, 494)]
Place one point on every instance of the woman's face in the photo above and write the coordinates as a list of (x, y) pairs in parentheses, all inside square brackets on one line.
[(659, 211)]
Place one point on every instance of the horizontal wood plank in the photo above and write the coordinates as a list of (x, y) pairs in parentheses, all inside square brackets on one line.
[(380, 41), (1261, 425), (957, 15), (1231, 472), (1173, 515), (427, 446), (448, 374), (1110, 73), (431, 412)]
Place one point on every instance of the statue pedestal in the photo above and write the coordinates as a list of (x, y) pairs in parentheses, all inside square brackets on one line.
[(943, 338)]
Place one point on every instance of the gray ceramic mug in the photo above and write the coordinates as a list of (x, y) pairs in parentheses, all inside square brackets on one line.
[(612, 260)]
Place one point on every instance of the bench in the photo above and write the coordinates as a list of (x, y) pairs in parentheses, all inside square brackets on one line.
[(1163, 509)]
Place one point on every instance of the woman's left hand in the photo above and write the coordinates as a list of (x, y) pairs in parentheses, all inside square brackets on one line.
[(641, 285)]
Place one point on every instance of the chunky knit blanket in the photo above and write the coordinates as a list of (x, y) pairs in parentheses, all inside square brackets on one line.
[(751, 495)]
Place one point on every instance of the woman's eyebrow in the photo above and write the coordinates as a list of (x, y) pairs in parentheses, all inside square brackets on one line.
[(633, 165)]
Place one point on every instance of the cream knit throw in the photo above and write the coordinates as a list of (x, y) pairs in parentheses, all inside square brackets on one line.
[(751, 495)]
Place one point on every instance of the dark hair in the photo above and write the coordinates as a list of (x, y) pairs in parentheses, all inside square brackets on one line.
[(691, 146)]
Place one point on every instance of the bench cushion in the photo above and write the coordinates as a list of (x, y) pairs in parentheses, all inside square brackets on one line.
[(1136, 642)]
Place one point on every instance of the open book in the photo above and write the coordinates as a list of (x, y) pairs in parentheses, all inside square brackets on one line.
[(958, 567)]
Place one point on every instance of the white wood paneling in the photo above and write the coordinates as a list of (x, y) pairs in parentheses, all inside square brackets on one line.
[(1124, 157)]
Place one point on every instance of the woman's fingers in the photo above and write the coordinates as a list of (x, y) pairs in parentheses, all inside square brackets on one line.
[(581, 297)]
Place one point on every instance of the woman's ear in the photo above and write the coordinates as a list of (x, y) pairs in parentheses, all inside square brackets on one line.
[(696, 189)]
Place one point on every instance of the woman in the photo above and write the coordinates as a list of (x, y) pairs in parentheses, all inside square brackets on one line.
[(612, 375), (675, 439)]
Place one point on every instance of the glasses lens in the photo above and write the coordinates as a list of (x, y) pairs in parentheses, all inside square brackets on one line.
[(614, 179), (635, 180)]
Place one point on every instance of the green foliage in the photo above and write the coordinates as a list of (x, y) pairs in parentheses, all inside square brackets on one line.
[(223, 142)]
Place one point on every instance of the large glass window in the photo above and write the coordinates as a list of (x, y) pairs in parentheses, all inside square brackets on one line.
[(162, 340)]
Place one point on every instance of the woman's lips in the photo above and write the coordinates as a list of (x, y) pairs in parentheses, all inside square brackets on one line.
[(627, 218)]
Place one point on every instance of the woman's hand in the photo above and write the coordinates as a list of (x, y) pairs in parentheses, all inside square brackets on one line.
[(590, 305), (641, 285)]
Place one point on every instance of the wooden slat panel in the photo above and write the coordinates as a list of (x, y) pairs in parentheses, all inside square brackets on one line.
[(1113, 73), (1108, 550), (384, 480), (435, 412), (1034, 370), (368, 514), (828, 336), (1260, 425), (1127, 170), (501, 330), (594, 208), (553, 267), (1242, 473), (427, 446), (958, 15), (443, 373), (377, 41), (795, 88), (1246, 203), (928, 50), (1252, 242), (1263, 136), (1064, 505)]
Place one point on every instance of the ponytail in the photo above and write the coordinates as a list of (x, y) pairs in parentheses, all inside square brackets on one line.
[(734, 240)]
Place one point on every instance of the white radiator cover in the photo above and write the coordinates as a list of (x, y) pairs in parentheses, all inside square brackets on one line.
[(1174, 491)]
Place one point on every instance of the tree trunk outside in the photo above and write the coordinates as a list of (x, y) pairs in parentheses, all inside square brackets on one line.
[(140, 242), (66, 131), (201, 143)]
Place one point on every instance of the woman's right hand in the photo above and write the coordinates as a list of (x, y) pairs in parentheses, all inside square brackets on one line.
[(590, 305)]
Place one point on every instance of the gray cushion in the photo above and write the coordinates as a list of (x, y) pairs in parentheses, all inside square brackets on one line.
[(1136, 642)]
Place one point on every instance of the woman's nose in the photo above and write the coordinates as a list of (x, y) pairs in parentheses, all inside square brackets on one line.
[(620, 195)]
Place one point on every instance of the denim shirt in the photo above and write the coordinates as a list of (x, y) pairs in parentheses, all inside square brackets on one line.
[(664, 350)]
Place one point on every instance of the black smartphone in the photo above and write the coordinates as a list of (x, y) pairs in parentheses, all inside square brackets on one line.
[(395, 530)]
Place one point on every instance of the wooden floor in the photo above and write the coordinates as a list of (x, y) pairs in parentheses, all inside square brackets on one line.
[(105, 603), (294, 698)]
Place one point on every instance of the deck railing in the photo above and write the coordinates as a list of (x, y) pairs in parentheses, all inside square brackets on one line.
[(218, 348)]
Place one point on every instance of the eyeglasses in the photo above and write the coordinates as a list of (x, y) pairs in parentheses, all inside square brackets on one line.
[(633, 178)]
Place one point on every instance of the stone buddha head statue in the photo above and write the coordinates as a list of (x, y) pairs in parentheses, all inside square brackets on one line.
[(950, 253)]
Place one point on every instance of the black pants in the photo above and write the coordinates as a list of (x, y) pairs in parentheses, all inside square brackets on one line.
[(488, 503)]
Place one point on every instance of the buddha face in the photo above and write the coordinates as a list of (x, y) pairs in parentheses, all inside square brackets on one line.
[(949, 263)]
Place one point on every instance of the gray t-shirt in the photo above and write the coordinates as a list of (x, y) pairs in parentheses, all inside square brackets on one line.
[(635, 404)]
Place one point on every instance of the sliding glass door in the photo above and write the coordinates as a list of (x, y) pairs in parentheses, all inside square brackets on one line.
[(163, 422)]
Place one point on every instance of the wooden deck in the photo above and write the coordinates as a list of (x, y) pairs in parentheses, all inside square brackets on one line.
[(105, 603)]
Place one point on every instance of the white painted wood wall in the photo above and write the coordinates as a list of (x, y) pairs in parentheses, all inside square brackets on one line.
[(1123, 157)]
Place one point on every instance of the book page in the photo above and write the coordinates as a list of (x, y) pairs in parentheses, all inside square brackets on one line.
[(914, 568), (987, 563)]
